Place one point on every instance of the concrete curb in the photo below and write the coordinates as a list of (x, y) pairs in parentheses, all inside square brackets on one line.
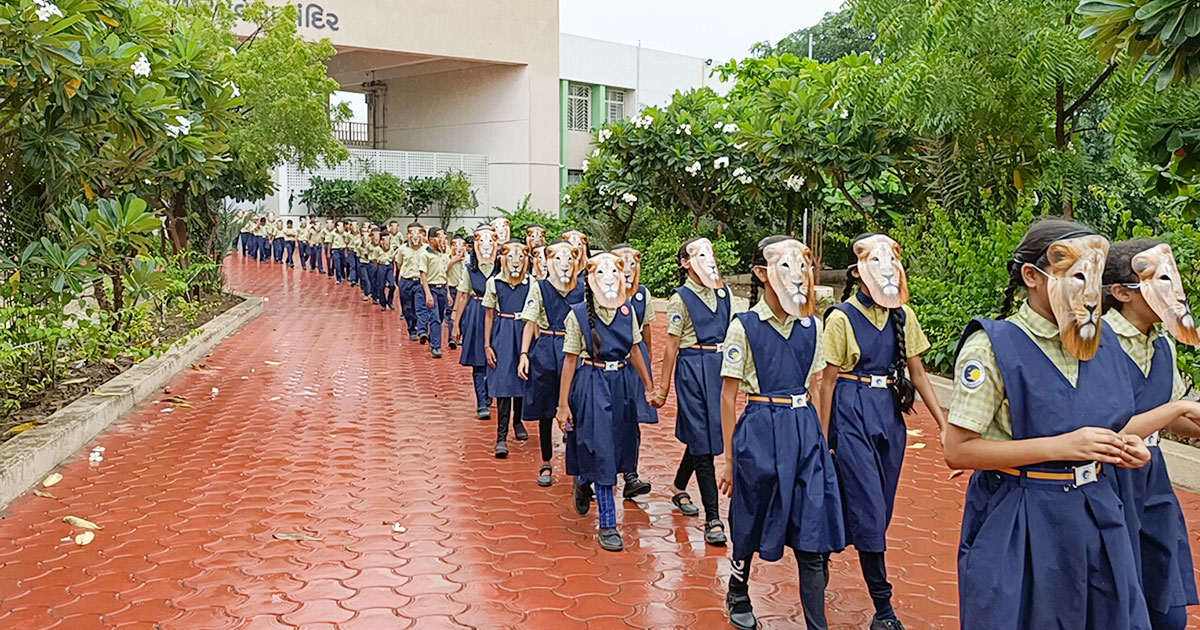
[(27, 458)]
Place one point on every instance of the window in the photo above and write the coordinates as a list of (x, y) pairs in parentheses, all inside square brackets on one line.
[(574, 176), (579, 107), (614, 105)]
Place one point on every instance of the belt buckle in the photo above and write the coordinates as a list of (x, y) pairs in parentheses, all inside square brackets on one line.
[(612, 366), (799, 401), (878, 381), (1085, 474), (721, 347), (1153, 439)]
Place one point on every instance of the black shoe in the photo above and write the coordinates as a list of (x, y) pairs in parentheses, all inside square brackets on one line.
[(887, 624), (741, 613), (583, 497), (423, 338), (714, 533), (610, 540), (488, 401), (412, 336), (437, 354), (545, 480), (501, 450), (453, 345), (689, 508), (635, 487), (520, 431), (483, 413)]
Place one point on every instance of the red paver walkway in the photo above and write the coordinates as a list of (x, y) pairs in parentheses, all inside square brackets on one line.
[(355, 429)]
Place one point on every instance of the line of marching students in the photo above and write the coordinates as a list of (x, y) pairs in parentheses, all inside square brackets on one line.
[(1070, 519)]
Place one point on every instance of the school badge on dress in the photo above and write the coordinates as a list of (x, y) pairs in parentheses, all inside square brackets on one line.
[(973, 374), (721, 293), (625, 309), (733, 354)]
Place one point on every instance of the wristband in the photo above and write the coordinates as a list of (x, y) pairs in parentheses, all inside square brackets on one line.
[(660, 397), (524, 353)]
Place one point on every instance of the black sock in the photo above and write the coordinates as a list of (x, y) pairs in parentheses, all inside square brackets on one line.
[(875, 574), (739, 577)]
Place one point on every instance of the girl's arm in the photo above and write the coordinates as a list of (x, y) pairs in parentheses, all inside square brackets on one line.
[(920, 380), (816, 398), (460, 303), (643, 370), (1162, 416), (649, 346), (968, 450), (489, 316), (824, 397), (570, 363), (526, 342), (670, 354), (729, 392)]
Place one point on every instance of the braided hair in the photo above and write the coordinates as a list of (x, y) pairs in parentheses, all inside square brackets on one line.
[(1033, 249), (681, 256), (597, 343), (760, 260), (1118, 269)]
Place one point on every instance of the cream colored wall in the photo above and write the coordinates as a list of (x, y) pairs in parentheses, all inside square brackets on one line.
[(579, 147)]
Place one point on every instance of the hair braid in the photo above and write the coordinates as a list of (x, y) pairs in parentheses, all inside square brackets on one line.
[(904, 392), (850, 282), (597, 344), (1010, 292), (755, 286)]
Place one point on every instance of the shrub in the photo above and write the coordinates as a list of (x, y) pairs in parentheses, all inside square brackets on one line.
[(523, 216), (330, 198), (658, 236), (379, 196)]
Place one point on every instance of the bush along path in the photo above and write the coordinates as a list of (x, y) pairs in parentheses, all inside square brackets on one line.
[(325, 472)]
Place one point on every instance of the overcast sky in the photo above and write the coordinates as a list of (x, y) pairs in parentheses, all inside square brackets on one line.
[(717, 29)]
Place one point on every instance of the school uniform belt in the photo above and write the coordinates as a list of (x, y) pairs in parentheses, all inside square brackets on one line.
[(1154, 438), (1077, 475), (477, 297), (795, 401), (874, 380), (607, 366), (507, 315), (717, 348), (556, 333)]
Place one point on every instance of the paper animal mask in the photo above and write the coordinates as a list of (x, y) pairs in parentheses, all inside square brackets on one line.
[(790, 273), (485, 246), (703, 260), (880, 270), (606, 279), (633, 269), (1075, 289), (562, 266), (1162, 287)]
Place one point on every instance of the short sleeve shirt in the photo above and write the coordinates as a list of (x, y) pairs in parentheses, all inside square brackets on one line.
[(464, 285), (679, 320), (289, 234), (738, 359), (433, 265), (533, 311), (409, 260), (573, 340), (316, 236), (455, 273), (650, 315), (1140, 348), (840, 346)]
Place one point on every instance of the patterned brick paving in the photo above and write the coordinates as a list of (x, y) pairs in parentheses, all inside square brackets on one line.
[(356, 429)]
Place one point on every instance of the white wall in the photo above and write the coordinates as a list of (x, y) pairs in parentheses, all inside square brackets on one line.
[(654, 74)]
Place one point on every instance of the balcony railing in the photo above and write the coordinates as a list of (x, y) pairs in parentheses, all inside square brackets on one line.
[(355, 134)]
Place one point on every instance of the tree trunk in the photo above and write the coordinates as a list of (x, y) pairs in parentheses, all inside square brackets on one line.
[(177, 221)]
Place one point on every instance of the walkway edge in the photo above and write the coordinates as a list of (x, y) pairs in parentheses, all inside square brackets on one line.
[(27, 458)]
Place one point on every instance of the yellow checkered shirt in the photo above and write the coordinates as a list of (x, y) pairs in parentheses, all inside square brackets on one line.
[(740, 363)]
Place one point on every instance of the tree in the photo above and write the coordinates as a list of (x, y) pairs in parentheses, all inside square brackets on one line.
[(1158, 38), (834, 37)]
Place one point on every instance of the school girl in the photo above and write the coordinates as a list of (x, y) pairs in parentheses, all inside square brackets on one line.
[(697, 317), (408, 258), (596, 408), (469, 313), (435, 259), (503, 300), (455, 272), (541, 358), (778, 471), (642, 302), (873, 345), (1143, 289)]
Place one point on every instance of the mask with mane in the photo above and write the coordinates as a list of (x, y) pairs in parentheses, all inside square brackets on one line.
[(1162, 286), (515, 261), (416, 235), (1074, 281), (535, 236), (880, 270), (579, 240), (502, 228), (485, 246), (537, 263), (703, 260), (633, 269), (458, 247), (606, 279), (790, 273), (562, 267)]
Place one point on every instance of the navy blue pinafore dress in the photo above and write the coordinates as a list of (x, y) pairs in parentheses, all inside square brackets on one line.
[(1038, 554), (1156, 523), (698, 376), (546, 352), (604, 441), (640, 302), (785, 486), (868, 434), (473, 319), (502, 380)]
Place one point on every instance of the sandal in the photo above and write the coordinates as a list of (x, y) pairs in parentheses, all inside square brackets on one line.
[(544, 478), (714, 533), (689, 508)]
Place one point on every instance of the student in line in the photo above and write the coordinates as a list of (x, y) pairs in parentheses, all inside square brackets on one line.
[(289, 243), (596, 408), (278, 241), (337, 246), (246, 231), (353, 243), (503, 300), (385, 275), (1143, 289), (469, 314), (316, 245), (366, 274), (327, 245), (408, 259), (778, 471), (435, 259), (455, 272), (698, 315), (642, 302), (302, 242)]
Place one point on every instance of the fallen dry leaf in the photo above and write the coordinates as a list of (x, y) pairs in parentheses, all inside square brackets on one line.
[(21, 428), (273, 363), (44, 494), (917, 432), (85, 538), (75, 521), (52, 479), (273, 399), (74, 381), (916, 446), (295, 536), (957, 473)]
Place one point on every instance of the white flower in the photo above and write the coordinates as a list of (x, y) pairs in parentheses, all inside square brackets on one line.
[(720, 163), (629, 198), (236, 91), (585, 164), (739, 146), (642, 122), (794, 182), (739, 171), (566, 198), (184, 128), (141, 67), (233, 51), (685, 129), (844, 115), (745, 179), (604, 134), (603, 190), (718, 125), (596, 153), (694, 168), (46, 10), (730, 128), (724, 105)]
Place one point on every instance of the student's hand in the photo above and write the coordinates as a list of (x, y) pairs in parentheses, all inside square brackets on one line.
[(725, 479), (652, 399), (1091, 444), (491, 356), (1136, 453), (660, 395), (429, 300), (523, 367), (562, 418)]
